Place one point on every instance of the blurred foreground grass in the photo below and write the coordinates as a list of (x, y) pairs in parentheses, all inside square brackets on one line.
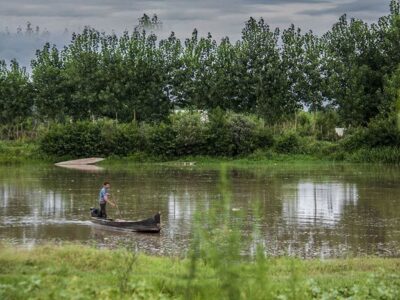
[(82, 272)]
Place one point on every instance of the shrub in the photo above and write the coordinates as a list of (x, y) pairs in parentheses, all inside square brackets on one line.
[(17, 151), (387, 155), (218, 143), (383, 132), (234, 134), (81, 139), (320, 148), (379, 133), (160, 140), (289, 143), (354, 139), (325, 124), (304, 123), (85, 139), (264, 137), (190, 133), (242, 132), (120, 139)]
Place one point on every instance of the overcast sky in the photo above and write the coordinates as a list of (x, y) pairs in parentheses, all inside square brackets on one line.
[(220, 17)]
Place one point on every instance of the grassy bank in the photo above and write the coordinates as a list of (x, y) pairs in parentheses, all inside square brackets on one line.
[(80, 272), (23, 152), (15, 152)]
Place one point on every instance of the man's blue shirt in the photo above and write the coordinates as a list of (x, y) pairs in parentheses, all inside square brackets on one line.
[(102, 195)]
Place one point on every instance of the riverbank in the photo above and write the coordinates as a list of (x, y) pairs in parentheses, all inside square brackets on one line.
[(16, 152), (22, 152), (82, 272)]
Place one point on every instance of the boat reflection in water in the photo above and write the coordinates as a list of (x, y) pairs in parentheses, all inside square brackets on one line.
[(85, 168)]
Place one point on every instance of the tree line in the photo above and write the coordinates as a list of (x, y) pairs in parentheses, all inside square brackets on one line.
[(353, 69)]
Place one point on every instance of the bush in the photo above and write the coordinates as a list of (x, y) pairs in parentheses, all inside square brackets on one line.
[(264, 137), (354, 139), (234, 134), (325, 124), (190, 133), (387, 155), (304, 123), (379, 133), (85, 139), (160, 139), (383, 132), (185, 134), (72, 140), (218, 141), (17, 152), (242, 132), (289, 143), (320, 148), (120, 139)]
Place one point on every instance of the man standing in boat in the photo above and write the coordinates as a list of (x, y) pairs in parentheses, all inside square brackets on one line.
[(104, 198)]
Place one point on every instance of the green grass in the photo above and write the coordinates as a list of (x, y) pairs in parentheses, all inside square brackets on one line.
[(16, 152), (25, 152), (82, 272), (253, 159)]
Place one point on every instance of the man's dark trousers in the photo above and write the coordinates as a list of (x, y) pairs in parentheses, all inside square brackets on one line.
[(103, 213)]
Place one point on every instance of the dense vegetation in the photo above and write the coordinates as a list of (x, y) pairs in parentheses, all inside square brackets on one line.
[(221, 135), (256, 87)]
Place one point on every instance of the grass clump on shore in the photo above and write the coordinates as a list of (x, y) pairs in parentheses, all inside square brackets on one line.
[(19, 152)]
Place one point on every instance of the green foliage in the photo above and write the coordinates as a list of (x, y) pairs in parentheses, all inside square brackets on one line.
[(387, 155), (184, 134), (120, 139), (379, 133), (236, 134), (18, 152), (160, 140), (289, 142), (354, 139), (322, 149), (190, 133), (245, 134), (74, 272), (16, 103), (325, 124), (304, 124), (80, 139), (272, 73), (379, 288), (252, 90), (86, 139)]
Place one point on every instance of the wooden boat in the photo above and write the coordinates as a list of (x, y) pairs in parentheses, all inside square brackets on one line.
[(148, 225)]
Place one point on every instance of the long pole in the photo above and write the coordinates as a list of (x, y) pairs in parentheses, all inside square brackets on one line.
[(116, 204)]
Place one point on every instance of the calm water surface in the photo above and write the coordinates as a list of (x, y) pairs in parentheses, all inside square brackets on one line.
[(309, 211)]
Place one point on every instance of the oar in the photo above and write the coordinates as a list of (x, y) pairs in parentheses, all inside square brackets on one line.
[(116, 204)]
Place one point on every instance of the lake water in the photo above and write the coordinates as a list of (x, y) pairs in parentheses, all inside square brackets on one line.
[(315, 210)]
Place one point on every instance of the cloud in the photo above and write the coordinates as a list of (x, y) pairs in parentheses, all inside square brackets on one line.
[(123, 14), (220, 17), (353, 7)]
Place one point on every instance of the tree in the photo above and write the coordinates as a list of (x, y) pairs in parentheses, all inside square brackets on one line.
[(15, 94), (148, 23), (352, 64), (49, 84)]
